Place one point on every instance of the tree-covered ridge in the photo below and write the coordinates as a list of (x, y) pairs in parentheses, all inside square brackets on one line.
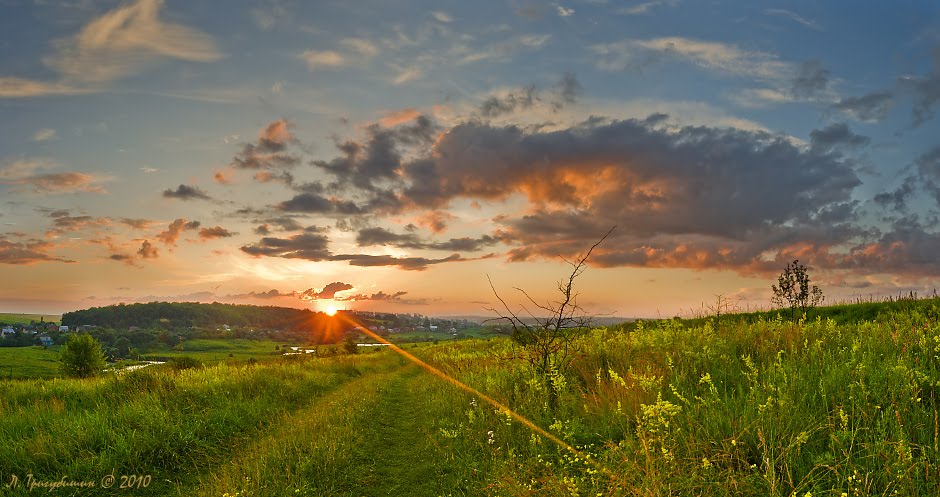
[(176, 315)]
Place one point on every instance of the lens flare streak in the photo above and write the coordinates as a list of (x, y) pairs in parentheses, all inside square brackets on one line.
[(463, 386)]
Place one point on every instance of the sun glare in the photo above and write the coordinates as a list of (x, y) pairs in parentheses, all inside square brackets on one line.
[(330, 310)]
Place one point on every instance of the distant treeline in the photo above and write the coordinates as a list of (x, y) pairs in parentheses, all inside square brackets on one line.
[(180, 315)]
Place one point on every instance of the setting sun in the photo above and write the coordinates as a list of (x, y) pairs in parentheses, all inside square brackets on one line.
[(330, 310)]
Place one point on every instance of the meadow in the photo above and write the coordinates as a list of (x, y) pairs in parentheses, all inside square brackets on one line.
[(20, 318), (755, 405), (29, 362)]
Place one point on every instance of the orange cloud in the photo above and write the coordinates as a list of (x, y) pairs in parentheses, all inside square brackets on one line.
[(215, 232), (223, 176), (175, 230), (396, 117)]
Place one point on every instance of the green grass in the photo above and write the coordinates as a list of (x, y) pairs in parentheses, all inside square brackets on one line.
[(18, 318), (37, 362), (741, 407), (214, 351), (29, 362), (174, 426)]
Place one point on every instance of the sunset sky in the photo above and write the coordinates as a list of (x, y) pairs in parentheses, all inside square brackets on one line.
[(392, 155)]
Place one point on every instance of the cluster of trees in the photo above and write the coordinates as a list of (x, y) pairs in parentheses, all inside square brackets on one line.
[(178, 315)]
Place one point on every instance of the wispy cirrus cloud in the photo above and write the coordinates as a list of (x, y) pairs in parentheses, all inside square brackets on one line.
[(113, 45), (126, 39), (869, 108), (645, 7), (316, 59), (710, 55), (793, 16), (44, 135), (13, 87)]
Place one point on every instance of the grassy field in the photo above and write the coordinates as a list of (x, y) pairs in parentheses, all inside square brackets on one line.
[(213, 351), (16, 318), (764, 407), (28, 362), (38, 362)]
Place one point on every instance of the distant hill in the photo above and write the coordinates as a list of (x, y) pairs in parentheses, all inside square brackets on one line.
[(188, 314), (18, 318)]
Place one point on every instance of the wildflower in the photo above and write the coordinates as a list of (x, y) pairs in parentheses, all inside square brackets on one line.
[(490, 438), (706, 464)]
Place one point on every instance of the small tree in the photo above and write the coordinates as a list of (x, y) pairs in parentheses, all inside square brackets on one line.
[(794, 291), (81, 356), (547, 342), (350, 345)]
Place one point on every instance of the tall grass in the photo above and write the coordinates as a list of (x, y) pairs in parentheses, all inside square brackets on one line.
[(771, 407), (172, 425)]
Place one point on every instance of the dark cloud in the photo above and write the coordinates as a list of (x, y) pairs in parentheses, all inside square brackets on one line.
[(565, 92), (328, 292), (313, 245), (898, 198), (394, 297), (186, 192), (520, 99), (270, 294), (137, 224), (279, 223), (270, 151), (312, 203), (63, 222), (148, 251), (406, 263), (436, 221), (872, 107), (376, 161), (309, 246), (834, 136), (908, 248), (28, 252), (690, 180), (381, 236), (125, 258), (928, 168), (811, 81), (175, 230), (696, 197), (215, 232), (926, 90), (268, 176), (686, 197)]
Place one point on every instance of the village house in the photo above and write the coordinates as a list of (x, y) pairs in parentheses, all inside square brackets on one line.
[(46, 340), (7, 331)]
